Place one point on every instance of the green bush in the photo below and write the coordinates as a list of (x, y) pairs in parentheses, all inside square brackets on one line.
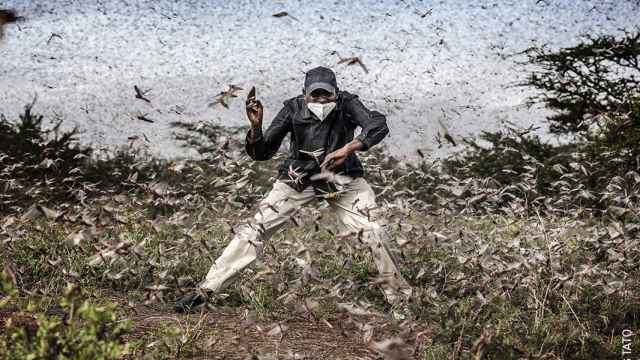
[(593, 89), (82, 330)]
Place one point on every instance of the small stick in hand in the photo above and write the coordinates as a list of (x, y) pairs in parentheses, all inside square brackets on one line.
[(254, 108)]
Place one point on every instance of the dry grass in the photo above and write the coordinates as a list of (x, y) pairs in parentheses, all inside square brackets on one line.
[(493, 278)]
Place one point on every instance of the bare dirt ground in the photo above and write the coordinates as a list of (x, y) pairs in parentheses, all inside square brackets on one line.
[(225, 333)]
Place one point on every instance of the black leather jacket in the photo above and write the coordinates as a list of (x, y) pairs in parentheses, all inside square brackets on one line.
[(308, 133)]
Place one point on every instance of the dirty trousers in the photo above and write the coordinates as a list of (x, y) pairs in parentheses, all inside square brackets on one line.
[(275, 211)]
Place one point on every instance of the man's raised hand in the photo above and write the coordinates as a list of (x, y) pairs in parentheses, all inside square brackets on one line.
[(254, 109)]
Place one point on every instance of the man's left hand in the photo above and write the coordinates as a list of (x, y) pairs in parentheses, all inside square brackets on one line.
[(338, 157), (335, 159)]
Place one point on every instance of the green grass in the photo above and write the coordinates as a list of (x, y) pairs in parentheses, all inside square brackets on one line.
[(460, 294)]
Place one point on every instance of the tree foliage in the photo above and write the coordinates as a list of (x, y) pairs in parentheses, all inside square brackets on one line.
[(592, 86)]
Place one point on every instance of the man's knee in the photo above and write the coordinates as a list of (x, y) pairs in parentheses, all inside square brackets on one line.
[(362, 222), (369, 231)]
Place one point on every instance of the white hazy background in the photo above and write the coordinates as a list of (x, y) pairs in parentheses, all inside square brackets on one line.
[(427, 61)]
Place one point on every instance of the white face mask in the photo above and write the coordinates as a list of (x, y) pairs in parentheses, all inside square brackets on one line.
[(321, 110)]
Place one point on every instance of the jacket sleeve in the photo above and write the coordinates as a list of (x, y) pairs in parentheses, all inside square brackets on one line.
[(373, 123), (263, 146)]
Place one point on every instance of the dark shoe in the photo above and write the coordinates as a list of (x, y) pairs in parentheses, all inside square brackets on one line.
[(189, 302)]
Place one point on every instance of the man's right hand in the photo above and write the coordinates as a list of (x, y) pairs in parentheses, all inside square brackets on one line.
[(254, 109)]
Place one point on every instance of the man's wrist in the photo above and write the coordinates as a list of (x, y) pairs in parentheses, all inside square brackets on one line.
[(255, 133), (354, 146)]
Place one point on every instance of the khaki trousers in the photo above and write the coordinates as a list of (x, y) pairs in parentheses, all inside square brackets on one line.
[(276, 209)]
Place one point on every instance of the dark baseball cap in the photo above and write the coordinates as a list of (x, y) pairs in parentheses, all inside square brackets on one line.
[(320, 78)]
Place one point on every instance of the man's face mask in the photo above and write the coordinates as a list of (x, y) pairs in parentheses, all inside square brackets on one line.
[(321, 103), (321, 110)]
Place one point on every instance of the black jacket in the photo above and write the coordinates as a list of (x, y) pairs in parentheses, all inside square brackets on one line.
[(308, 133)]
